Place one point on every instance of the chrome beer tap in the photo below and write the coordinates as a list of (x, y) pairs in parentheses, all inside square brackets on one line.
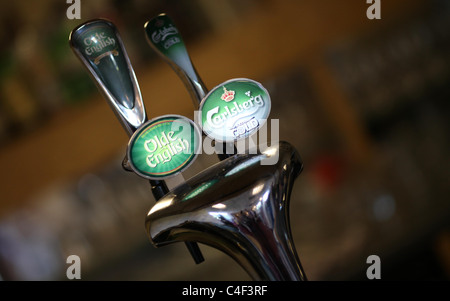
[(99, 46), (165, 39), (240, 205)]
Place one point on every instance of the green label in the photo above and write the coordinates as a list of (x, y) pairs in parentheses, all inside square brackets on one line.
[(164, 147), (98, 43), (163, 34), (234, 110)]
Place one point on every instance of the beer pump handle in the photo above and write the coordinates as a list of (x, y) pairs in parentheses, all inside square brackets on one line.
[(99, 46), (165, 39), (163, 36)]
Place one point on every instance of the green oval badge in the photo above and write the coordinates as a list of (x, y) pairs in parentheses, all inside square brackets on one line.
[(234, 110), (164, 147)]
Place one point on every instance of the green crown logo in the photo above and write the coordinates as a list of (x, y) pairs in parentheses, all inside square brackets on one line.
[(234, 110)]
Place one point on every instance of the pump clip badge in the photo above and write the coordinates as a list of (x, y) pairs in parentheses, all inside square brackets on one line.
[(234, 110), (164, 147)]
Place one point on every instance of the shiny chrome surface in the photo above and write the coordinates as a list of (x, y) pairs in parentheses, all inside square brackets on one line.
[(98, 45), (164, 37), (240, 207)]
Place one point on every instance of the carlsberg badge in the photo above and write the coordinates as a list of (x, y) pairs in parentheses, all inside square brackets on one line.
[(164, 147), (234, 110)]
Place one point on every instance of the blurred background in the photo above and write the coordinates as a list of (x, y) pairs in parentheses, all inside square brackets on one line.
[(365, 102)]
